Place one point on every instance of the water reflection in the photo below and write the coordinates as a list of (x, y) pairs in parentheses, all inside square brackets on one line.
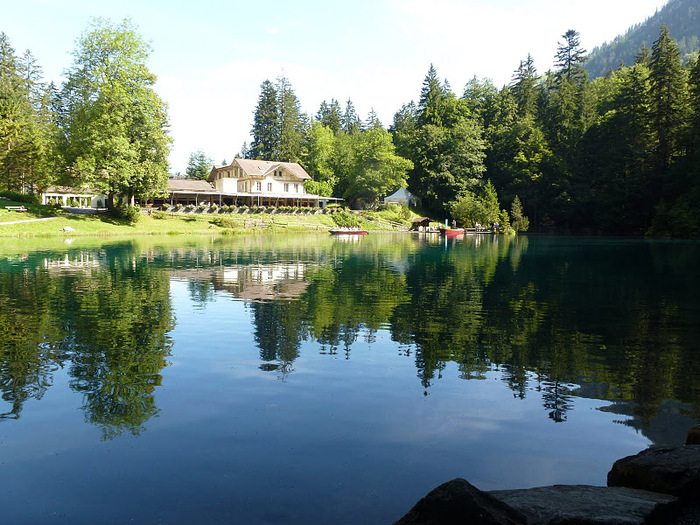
[(104, 316), (551, 317)]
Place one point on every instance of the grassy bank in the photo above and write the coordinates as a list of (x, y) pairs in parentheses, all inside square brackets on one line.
[(176, 223)]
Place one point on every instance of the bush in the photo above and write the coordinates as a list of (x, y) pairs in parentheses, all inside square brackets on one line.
[(224, 222), (214, 207), (127, 213), (224, 208), (189, 207), (202, 207), (346, 220), (179, 206), (165, 207), (21, 197), (243, 208)]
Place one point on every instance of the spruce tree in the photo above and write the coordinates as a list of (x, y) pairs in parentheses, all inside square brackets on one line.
[(570, 57), (430, 101), (523, 86), (694, 85), (351, 121), (291, 123), (265, 124), (668, 97)]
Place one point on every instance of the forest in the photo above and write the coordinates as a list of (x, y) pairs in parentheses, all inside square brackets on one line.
[(615, 155), (618, 154)]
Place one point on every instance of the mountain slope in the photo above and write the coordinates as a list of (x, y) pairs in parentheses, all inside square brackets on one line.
[(682, 17)]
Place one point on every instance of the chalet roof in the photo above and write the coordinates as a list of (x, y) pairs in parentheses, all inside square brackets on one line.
[(260, 168), (193, 185)]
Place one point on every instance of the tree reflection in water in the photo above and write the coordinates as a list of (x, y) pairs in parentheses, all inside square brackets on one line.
[(552, 317), (105, 315)]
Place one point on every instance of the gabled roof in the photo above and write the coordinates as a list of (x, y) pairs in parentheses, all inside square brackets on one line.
[(260, 168), (401, 193), (70, 190), (189, 185)]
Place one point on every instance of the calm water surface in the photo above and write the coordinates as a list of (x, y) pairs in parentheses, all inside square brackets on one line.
[(311, 379)]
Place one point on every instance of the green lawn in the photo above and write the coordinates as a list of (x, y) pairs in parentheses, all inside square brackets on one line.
[(159, 223)]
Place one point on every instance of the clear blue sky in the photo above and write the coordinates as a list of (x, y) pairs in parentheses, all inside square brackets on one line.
[(211, 56)]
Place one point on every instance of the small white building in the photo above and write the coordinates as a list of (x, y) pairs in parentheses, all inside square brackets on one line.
[(68, 196), (402, 196)]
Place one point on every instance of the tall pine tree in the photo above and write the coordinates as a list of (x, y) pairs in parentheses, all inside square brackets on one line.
[(668, 97)]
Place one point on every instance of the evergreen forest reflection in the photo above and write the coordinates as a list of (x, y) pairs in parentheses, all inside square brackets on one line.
[(555, 318)]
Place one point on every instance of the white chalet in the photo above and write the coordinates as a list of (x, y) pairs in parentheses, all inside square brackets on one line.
[(264, 183)]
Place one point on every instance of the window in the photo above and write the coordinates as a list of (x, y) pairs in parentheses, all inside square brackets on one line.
[(258, 186), (269, 186), (296, 188), (286, 186)]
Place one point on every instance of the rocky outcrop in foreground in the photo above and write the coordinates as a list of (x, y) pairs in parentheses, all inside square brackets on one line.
[(658, 486)]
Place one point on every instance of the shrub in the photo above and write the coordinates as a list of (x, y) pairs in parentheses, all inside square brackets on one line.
[(21, 197), (189, 207), (224, 222), (214, 207), (243, 208), (179, 206), (202, 207), (224, 208), (346, 220), (127, 213), (165, 207)]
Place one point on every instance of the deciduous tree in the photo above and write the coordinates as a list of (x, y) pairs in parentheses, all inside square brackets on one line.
[(114, 125)]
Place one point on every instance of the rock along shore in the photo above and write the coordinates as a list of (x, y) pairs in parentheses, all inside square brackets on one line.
[(658, 486)]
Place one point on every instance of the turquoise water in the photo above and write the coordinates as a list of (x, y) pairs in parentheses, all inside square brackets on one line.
[(312, 379)]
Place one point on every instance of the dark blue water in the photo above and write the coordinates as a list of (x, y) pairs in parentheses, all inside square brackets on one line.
[(305, 379)]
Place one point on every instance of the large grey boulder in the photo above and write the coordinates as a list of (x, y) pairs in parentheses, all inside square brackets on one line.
[(459, 502), (586, 505), (669, 470)]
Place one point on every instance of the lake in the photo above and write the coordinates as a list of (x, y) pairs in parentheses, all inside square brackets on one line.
[(289, 379)]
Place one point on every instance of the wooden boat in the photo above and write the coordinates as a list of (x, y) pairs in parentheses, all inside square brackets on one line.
[(348, 231), (452, 232)]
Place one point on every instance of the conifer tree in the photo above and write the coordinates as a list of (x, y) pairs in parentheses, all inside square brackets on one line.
[(291, 123), (694, 85), (265, 123), (570, 57), (25, 121), (668, 97), (523, 86), (330, 115), (430, 101), (351, 121)]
